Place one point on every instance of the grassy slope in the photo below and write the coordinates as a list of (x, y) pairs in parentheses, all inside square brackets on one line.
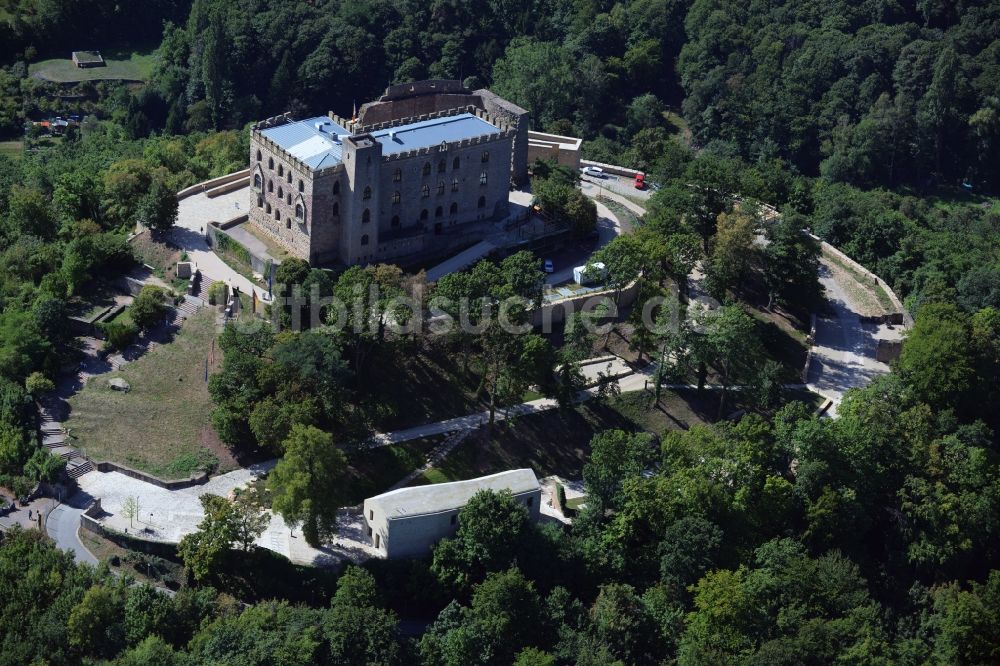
[(161, 424)]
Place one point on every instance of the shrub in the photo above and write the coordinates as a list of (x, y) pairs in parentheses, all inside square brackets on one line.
[(36, 384), (118, 334), (561, 497), (148, 307), (217, 293)]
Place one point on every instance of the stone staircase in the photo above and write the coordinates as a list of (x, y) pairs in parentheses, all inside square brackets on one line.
[(54, 439)]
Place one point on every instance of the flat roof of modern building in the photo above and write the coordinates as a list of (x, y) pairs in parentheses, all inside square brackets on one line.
[(438, 497), (318, 142)]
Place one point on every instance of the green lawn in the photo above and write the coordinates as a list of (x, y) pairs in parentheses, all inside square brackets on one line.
[(127, 64), (163, 424), (13, 149)]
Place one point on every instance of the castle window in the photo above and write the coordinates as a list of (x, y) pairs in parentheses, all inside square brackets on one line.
[(336, 187), (270, 163), (482, 202), (368, 193), (270, 186), (395, 221), (397, 175), (256, 181), (427, 168), (423, 214), (302, 186), (364, 239), (366, 216), (455, 163), (441, 187), (482, 178), (281, 192), (425, 191), (395, 197), (289, 178), (442, 166), (267, 208), (300, 212), (454, 208), (277, 214), (281, 170), (258, 156), (439, 212), (486, 156), (336, 208), (260, 202), (288, 198), (454, 184)]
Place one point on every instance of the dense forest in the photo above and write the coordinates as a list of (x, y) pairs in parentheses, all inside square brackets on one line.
[(781, 538)]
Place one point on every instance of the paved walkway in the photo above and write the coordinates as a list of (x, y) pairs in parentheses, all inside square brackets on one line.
[(843, 356), (193, 215), (63, 526)]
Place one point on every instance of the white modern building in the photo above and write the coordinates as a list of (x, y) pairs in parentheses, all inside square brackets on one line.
[(409, 521)]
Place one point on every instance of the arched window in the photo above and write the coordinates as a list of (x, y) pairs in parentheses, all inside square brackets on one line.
[(281, 192), (270, 186), (482, 202), (427, 168), (364, 239), (367, 193), (277, 214), (281, 170), (267, 208), (336, 208), (425, 191), (256, 181), (300, 212), (423, 214), (441, 187), (482, 178), (288, 198), (442, 166), (454, 208), (395, 221), (439, 212), (288, 223), (336, 187), (397, 175), (260, 202), (455, 163), (302, 186), (366, 216), (289, 177), (395, 197), (454, 184), (270, 163), (258, 156), (486, 156)]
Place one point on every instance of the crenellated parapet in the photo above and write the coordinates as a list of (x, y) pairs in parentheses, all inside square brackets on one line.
[(464, 143)]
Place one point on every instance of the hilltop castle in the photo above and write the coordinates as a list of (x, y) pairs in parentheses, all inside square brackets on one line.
[(426, 167)]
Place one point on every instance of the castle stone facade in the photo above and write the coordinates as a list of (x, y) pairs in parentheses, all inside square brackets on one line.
[(426, 167)]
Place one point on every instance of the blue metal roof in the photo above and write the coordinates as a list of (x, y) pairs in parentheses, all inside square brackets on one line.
[(427, 133), (319, 148), (305, 141)]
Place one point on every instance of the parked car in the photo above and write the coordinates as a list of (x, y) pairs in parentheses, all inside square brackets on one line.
[(548, 266), (593, 172), (640, 181)]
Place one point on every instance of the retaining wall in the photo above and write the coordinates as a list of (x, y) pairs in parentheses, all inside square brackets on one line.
[(90, 521), (213, 183), (612, 168), (555, 312), (176, 484), (900, 316)]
